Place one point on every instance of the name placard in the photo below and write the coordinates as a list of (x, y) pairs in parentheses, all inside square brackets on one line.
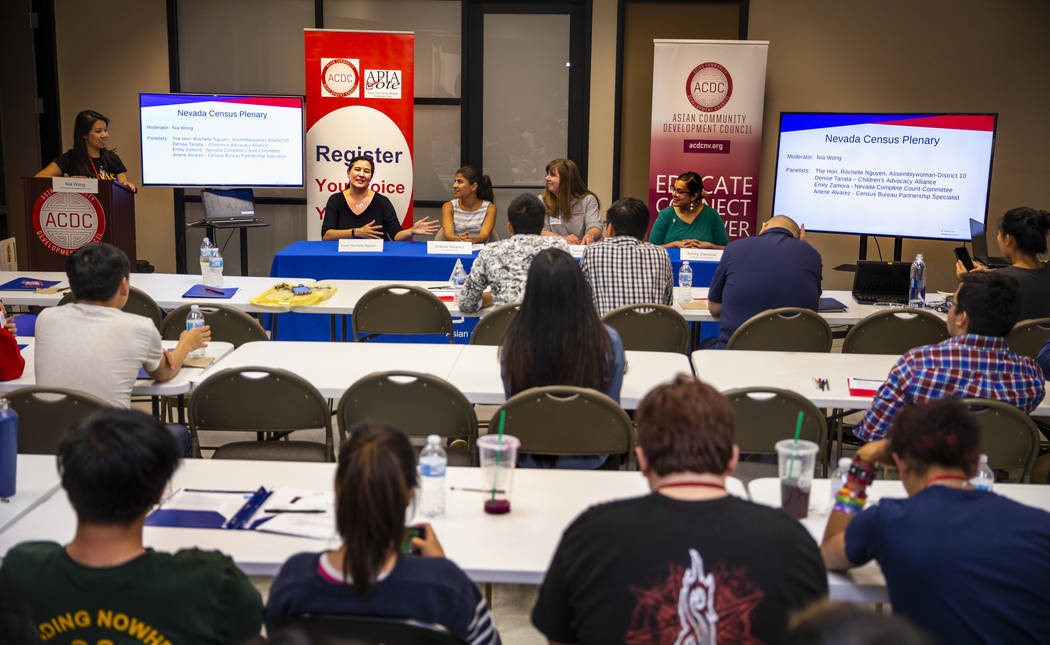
[(74, 185), (576, 250), (360, 246), (701, 255), (449, 248)]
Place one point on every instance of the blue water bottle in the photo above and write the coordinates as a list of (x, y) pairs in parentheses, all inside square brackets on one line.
[(8, 449)]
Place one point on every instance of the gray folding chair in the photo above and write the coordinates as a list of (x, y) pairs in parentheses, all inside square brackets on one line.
[(45, 415), (400, 309), (490, 329), (139, 302), (787, 329), (344, 628), (650, 327), (261, 400), (227, 324), (417, 404), (765, 415), (1008, 436), (894, 331), (1028, 336), (566, 420)]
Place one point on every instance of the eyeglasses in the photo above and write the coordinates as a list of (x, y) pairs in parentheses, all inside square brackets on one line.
[(680, 191)]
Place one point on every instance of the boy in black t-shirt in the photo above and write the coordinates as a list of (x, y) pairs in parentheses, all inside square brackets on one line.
[(687, 563)]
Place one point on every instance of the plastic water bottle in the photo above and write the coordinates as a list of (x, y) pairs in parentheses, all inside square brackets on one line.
[(8, 449), (206, 251), (194, 320), (432, 464), (985, 478), (917, 283), (458, 277), (685, 283), (215, 269), (838, 477)]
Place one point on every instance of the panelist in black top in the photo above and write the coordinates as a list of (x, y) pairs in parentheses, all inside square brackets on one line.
[(89, 156), (360, 212)]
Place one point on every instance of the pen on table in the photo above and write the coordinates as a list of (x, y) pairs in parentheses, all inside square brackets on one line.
[(293, 510), (214, 290), (477, 490)]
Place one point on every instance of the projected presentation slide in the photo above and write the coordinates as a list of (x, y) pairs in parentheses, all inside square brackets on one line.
[(901, 175), (221, 140)]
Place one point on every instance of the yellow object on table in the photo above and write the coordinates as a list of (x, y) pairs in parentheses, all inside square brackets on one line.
[(282, 296)]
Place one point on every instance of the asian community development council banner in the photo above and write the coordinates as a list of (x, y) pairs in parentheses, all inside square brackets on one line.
[(359, 95), (707, 117)]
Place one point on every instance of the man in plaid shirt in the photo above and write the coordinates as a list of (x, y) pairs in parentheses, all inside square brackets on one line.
[(622, 269), (974, 363)]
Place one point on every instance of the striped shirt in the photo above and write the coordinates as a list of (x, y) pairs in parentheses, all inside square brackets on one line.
[(464, 221), (967, 366), (624, 270)]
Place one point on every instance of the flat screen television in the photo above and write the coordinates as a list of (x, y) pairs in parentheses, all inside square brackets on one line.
[(903, 175), (221, 140)]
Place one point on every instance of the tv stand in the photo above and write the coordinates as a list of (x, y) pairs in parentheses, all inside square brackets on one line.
[(898, 248)]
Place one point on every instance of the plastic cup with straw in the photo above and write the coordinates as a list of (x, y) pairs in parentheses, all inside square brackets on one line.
[(793, 497), (495, 506)]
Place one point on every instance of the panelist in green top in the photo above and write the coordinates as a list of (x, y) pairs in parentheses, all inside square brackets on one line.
[(687, 222)]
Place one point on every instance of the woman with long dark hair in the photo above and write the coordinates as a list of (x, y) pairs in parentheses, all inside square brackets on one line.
[(573, 211), (470, 216), (89, 156), (1022, 239), (688, 222), (369, 574), (558, 339), (360, 212)]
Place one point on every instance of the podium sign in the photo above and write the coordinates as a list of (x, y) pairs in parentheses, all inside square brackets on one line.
[(59, 222)]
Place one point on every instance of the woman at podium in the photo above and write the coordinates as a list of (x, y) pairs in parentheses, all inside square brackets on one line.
[(360, 212), (89, 156)]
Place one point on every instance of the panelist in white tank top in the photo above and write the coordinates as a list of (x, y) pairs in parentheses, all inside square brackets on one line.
[(470, 216)]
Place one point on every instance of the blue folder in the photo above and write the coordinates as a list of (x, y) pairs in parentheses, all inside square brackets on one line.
[(19, 284), (202, 291)]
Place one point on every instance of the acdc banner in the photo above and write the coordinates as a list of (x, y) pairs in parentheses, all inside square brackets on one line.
[(358, 102), (707, 117)]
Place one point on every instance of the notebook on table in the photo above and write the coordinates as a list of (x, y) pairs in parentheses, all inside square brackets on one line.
[(881, 282)]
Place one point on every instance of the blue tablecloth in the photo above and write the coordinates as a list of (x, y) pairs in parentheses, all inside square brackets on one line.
[(398, 261)]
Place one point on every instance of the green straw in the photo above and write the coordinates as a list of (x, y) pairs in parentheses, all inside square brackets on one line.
[(794, 448), (499, 454)]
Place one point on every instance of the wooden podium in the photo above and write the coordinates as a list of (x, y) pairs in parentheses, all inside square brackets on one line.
[(59, 222)]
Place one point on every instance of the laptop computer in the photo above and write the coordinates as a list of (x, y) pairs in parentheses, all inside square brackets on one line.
[(980, 247), (885, 282), (229, 206)]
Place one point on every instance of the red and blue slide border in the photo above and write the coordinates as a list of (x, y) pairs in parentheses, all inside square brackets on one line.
[(160, 100), (794, 122)]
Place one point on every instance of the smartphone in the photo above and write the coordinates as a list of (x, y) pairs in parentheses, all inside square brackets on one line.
[(301, 290), (411, 532), (964, 257)]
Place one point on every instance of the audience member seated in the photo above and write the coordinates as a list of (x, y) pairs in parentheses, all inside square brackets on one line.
[(557, 339), (503, 266), (573, 211), (777, 268), (974, 362), (687, 563), (963, 563), (11, 361), (1022, 238), (115, 466), (371, 574), (92, 346), (471, 215), (688, 222), (825, 623), (623, 269), (360, 212)]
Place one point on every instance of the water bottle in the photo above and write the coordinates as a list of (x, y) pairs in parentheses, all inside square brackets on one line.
[(432, 464), (985, 478), (194, 320), (685, 283), (8, 449), (917, 283), (838, 477), (206, 250), (458, 277), (215, 269)]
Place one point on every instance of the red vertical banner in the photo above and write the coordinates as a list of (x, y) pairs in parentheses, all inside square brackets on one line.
[(359, 98), (707, 117)]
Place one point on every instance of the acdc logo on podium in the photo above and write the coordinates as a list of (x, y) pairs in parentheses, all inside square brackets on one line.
[(64, 222)]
